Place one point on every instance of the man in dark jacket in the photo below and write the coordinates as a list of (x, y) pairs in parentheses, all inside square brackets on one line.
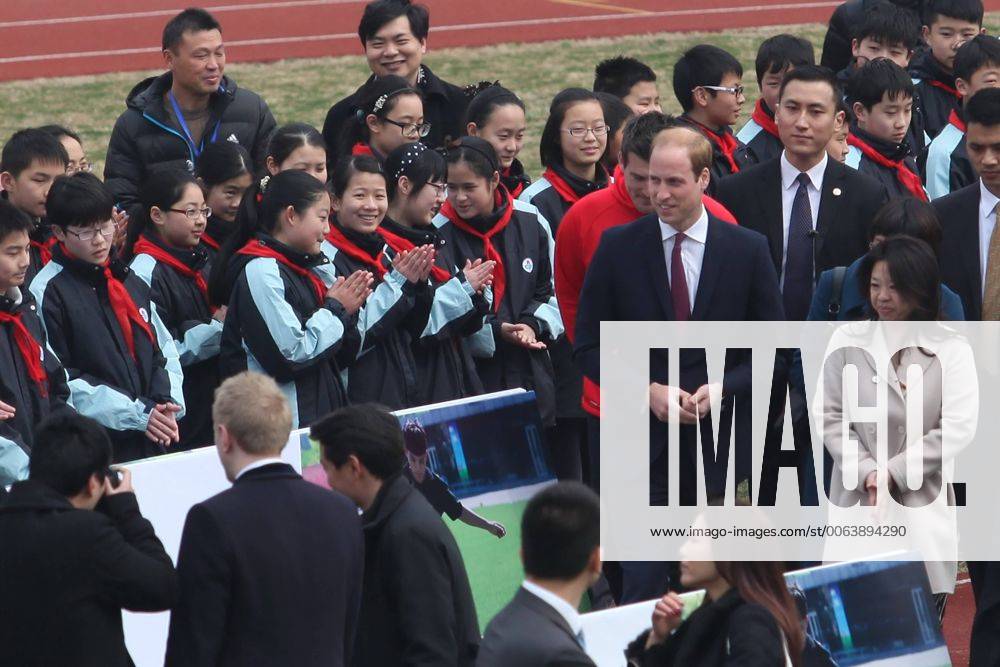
[(172, 117), (416, 606), (394, 36), (76, 551)]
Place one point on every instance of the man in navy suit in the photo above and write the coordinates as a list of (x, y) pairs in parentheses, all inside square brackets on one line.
[(678, 263)]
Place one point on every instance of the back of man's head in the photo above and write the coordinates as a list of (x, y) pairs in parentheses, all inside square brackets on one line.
[(255, 413), (560, 529), (368, 432), (68, 449)]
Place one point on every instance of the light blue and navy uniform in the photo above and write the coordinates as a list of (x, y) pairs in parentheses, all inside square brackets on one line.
[(936, 91), (761, 143), (948, 167)]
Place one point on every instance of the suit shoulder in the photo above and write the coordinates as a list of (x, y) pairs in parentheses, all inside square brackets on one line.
[(857, 178), (737, 233), (967, 196), (749, 174)]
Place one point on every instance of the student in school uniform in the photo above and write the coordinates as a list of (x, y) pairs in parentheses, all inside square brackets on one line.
[(32, 381), (630, 80), (103, 326), (282, 319), (225, 172), (616, 114), (482, 221), (498, 116), (390, 114), (297, 146), (30, 162), (948, 24), (416, 177), (883, 106), (776, 56), (165, 249), (838, 148), (977, 66)]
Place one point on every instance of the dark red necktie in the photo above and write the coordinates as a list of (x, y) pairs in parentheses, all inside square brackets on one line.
[(678, 282)]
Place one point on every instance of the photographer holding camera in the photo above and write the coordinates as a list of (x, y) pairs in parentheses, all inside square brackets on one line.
[(75, 552)]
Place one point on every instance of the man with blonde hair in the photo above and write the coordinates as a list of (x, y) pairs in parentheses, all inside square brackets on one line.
[(270, 570)]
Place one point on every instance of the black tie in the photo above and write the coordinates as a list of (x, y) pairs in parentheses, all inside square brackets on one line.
[(798, 285)]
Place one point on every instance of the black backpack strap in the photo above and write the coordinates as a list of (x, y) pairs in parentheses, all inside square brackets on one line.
[(836, 293)]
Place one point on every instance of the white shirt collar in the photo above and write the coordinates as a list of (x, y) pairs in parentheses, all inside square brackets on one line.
[(696, 232), (259, 463), (564, 608), (987, 200), (789, 172)]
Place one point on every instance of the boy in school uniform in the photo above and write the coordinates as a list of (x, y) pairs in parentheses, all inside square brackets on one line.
[(31, 160), (883, 104), (707, 83), (630, 80), (121, 360), (776, 57), (948, 24), (32, 382)]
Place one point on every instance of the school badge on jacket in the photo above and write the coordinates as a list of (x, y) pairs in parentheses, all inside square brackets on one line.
[(527, 265)]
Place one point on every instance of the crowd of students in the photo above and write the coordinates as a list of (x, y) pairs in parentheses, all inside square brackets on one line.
[(403, 256)]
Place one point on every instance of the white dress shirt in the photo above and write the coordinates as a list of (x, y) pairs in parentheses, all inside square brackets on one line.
[(565, 609), (259, 463), (987, 221), (692, 251), (789, 186)]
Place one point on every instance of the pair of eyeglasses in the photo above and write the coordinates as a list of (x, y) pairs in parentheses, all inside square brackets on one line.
[(579, 132), (439, 188), (194, 213), (83, 166), (411, 130), (107, 230), (735, 90)]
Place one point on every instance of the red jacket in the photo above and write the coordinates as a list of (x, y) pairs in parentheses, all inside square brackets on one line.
[(576, 241)]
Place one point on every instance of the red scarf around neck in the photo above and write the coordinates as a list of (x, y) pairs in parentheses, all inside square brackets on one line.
[(765, 121), (146, 247), (945, 87), (354, 251), (255, 248), (725, 141), (956, 120), (210, 242), (560, 185), (400, 244), (910, 180), (44, 249), (30, 351), (499, 274)]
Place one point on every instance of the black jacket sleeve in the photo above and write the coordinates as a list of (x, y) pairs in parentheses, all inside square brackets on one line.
[(264, 130), (123, 166)]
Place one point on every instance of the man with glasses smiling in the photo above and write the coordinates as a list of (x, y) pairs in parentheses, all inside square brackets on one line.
[(121, 361)]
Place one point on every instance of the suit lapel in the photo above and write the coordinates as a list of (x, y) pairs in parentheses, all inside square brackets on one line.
[(771, 205), (711, 266), (970, 245), (652, 251), (829, 203)]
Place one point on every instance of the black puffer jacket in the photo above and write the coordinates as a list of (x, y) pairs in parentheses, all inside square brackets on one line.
[(146, 137)]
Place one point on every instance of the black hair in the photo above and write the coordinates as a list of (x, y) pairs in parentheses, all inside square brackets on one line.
[(702, 65), (80, 200), (560, 528), (963, 10), (378, 97), (979, 52), (799, 597), (983, 108), (616, 112), (782, 51), (421, 166), (289, 138), (60, 131), (68, 449), (225, 160), (414, 438), (640, 131), (13, 219), (292, 187), (476, 152), (877, 80), (550, 145), (163, 188), (380, 12), (909, 216), (842, 105), (351, 165), (192, 19), (26, 146), (617, 75), (914, 271), (888, 24), (368, 431), (811, 74), (484, 99)]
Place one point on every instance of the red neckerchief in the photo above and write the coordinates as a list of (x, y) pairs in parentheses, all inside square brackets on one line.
[(726, 143), (956, 120), (210, 242), (765, 121), (145, 247), (352, 250), (945, 87), (255, 248), (44, 249), (910, 180), (560, 185), (499, 274), (362, 148), (400, 244), (30, 351)]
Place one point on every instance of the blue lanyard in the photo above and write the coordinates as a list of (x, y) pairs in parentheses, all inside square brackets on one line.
[(187, 131)]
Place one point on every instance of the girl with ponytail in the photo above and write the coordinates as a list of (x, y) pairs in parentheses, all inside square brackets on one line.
[(283, 320)]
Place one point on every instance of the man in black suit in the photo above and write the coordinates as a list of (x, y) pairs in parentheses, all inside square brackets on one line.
[(561, 552), (970, 265), (75, 552), (678, 263), (270, 570), (417, 606), (814, 211)]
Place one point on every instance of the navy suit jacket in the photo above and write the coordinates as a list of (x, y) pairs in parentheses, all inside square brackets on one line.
[(959, 254)]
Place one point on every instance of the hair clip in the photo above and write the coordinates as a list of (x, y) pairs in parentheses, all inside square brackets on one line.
[(263, 183), (380, 102)]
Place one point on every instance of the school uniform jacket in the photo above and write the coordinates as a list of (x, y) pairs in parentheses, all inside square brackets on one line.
[(759, 134), (937, 92), (948, 167), (721, 168), (105, 382), (188, 317), (40, 252), (526, 247), (887, 176), (274, 326), (19, 390), (916, 136)]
